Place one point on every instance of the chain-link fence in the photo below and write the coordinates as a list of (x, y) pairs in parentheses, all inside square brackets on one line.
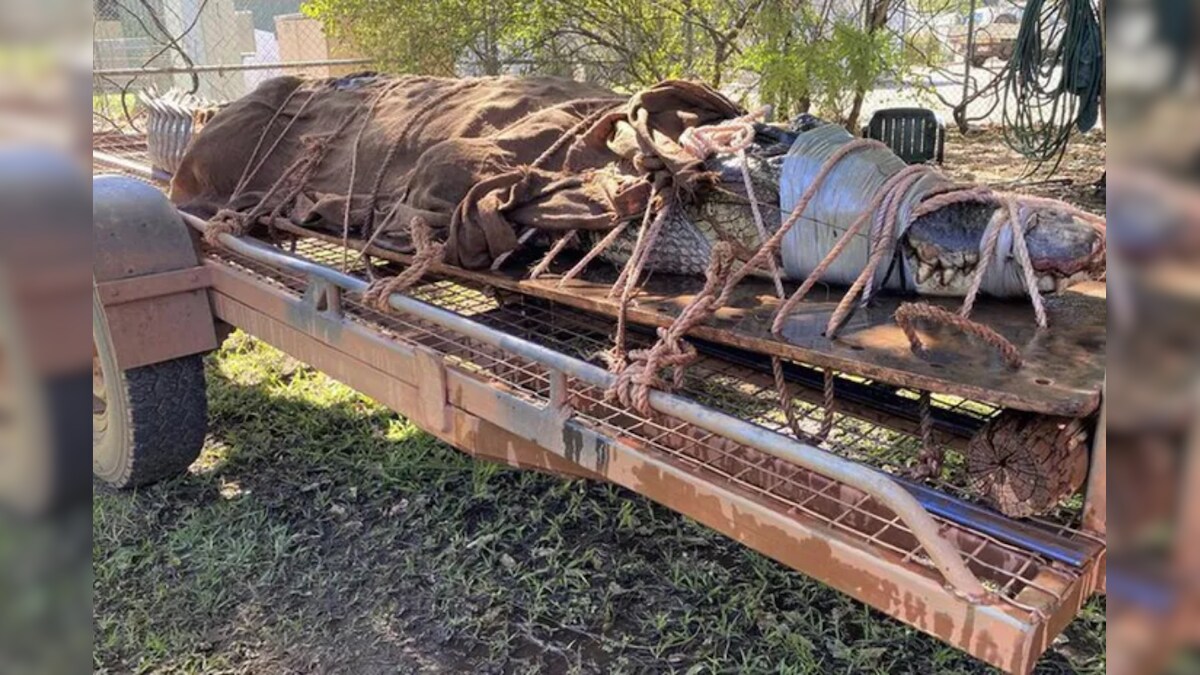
[(957, 49), (217, 50)]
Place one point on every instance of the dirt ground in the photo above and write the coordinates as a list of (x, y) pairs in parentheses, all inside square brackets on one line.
[(982, 157), (320, 533)]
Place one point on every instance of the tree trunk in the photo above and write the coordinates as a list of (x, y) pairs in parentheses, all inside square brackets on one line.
[(876, 19), (852, 120), (689, 41)]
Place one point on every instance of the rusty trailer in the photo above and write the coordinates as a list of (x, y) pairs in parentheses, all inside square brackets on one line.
[(508, 375)]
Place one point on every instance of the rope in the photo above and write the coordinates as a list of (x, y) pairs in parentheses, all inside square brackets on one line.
[(886, 231), (354, 169), (600, 247), (317, 147), (830, 403), (725, 138), (558, 247), (771, 247), (733, 138), (909, 313), (786, 402), (772, 262), (571, 134), (567, 136), (931, 458), (228, 220), (428, 252), (247, 173), (1054, 80), (1008, 215), (402, 136), (1021, 252), (234, 223), (939, 201), (646, 239), (637, 378), (991, 237), (898, 184)]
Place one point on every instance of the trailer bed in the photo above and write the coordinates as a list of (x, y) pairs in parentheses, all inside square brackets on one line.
[(1064, 367), (500, 376)]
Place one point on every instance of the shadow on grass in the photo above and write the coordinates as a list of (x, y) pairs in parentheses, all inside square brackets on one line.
[(321, 533)]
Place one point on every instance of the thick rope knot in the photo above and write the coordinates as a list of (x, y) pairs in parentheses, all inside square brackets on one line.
[(226, 221), (428, 252), (909, 313), (640, 375), (724, 138), (637, 378)]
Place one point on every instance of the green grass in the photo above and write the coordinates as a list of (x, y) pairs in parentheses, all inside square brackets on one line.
[(321, 533), (114, 106)]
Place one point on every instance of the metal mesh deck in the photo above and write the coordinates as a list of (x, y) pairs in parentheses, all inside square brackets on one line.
[(734, 389)]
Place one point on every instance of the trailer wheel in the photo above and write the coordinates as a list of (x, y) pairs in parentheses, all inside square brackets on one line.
[(148, 423)]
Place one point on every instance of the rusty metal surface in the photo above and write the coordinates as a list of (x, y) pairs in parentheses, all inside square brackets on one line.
[(1064, 366), (124, 291), (1063, 373), (882, 441), (160, 329), (495, 406), (815, 525), (793, 453), (147, 273)]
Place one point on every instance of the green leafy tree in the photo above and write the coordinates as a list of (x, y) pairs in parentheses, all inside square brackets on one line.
[(632, 43), (794, 54), (810, 60), (430, 37)]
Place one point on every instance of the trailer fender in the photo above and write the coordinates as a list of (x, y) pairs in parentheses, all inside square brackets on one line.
[(150, 285)]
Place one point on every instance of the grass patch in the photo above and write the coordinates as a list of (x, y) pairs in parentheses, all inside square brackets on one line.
[(319, 532)]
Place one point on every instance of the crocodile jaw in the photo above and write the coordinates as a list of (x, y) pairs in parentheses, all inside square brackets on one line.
[(942, 250)]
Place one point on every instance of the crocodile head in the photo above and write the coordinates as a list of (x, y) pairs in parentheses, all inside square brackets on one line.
[(942, 248)]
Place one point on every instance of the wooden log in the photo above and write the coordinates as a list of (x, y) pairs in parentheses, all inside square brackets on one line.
[(1025, 464)]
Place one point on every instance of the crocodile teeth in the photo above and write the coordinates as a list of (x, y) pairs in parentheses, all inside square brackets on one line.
[(928, 252), (1047, 284), (924, 271), (971, 258), (949, 274), (952, 259)]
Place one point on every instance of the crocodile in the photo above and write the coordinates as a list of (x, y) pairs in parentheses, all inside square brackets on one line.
[(937, 254)]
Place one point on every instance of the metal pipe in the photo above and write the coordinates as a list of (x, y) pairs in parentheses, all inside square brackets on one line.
[(1075, 553), (135, 168), (946, 558), (226, 67)]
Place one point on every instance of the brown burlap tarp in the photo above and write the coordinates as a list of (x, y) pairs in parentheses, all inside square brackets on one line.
[(459, 153)]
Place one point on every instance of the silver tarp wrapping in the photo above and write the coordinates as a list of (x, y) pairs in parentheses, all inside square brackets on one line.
[(845, 194)]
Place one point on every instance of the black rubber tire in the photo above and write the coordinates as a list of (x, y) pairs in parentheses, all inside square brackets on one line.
[(165, 424), (155, 420)]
